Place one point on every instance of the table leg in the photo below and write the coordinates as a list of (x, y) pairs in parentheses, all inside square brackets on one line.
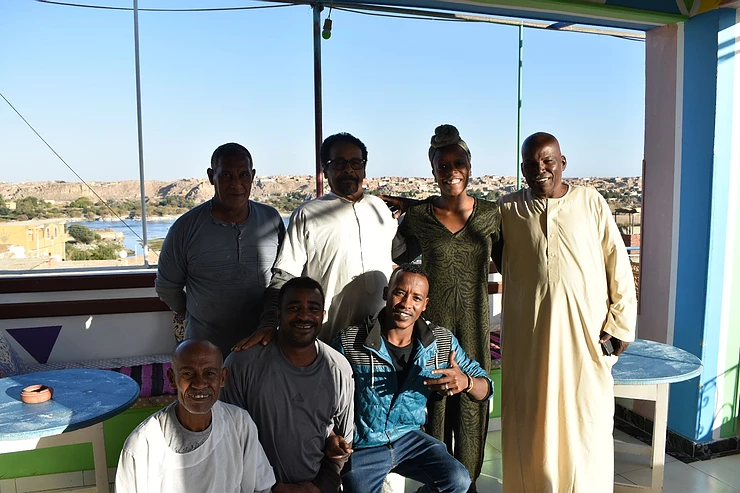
[(657, 393), (660, 425), (101, 463), (92, 434)]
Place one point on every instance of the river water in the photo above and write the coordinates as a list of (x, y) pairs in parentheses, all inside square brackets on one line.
[(131, 239)]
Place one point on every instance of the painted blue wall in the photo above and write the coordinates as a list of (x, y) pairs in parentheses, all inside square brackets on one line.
[(704, 187)]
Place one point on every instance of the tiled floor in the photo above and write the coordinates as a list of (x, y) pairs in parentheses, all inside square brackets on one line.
[(713, 476)]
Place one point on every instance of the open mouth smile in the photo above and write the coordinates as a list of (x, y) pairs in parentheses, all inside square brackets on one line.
[(304, 327), (199, 397), (402, 315)]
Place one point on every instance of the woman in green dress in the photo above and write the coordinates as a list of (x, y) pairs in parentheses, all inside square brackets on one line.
[(456, 234)]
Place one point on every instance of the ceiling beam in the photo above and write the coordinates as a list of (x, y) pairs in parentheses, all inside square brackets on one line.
[(681, 4), (585, 9), (561, 26)]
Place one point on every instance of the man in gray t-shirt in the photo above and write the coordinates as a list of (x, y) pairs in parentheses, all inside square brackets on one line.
[(215, 263), (298, 390)]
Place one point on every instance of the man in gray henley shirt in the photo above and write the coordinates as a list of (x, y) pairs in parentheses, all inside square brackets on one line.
[(215, 262), (298, 390)]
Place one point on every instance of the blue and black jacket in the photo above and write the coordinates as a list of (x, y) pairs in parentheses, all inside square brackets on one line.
[(383, 411)]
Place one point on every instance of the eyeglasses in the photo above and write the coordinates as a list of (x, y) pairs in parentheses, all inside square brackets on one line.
[(340, 163)]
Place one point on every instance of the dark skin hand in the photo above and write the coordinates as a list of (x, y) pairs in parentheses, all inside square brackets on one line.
[(619, 345), (262, 336), (453, 215), (336, 447), (398, 205), (453, 381)]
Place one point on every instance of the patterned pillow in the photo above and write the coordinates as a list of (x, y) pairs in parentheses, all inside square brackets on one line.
[(152, 378), (178, 326), (496, 345), (10, 363)]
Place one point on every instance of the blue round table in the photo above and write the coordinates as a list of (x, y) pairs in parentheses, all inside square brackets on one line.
[(82, 400), (650, 363), (644, 372)]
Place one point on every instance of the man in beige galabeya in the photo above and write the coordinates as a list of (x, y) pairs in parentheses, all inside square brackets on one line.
[(569, 309)]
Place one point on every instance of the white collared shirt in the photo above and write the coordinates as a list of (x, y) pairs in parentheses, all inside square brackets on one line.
[(347, 247)]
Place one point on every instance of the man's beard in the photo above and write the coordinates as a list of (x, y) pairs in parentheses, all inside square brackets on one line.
[(348, 186)]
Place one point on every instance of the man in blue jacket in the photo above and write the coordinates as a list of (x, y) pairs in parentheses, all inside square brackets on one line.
[(398, 360)]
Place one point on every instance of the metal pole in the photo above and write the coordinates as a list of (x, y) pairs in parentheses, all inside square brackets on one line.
[(318, 128), (519, 109), (141, 136)]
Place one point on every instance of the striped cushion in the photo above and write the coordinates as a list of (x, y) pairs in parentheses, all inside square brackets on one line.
[(496, 345), (152, 378)]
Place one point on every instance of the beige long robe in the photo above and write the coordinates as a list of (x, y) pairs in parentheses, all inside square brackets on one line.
[(567, 277)]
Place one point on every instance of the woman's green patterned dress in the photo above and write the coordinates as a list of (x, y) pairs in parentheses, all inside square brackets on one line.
[(458, 266)]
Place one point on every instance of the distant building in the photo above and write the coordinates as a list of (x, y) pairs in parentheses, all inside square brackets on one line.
[(33, 239), (628, 226)]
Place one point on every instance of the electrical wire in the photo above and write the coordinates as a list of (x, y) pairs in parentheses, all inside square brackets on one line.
[(378, 11), (72, 169), (128, 9)]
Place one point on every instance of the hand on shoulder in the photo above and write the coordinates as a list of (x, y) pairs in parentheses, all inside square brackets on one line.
[(398, 205), (263, 335)]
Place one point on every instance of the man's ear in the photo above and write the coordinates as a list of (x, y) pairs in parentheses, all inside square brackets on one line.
[(426, 302), (224, 374), (209, 171), (254, 173), (565, 162), (385, 293), (171, 378)]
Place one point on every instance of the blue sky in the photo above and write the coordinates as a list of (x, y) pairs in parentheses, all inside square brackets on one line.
[(210, 78)]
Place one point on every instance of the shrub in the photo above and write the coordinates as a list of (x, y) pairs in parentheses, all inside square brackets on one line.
[(81, 203), (104, 251), (30, 207), (81, 233)]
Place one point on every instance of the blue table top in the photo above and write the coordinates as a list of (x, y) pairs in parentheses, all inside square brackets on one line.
[(649, 362), (81, 398)]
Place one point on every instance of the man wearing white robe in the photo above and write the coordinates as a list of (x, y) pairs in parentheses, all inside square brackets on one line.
[(343, 240), (568, 289)]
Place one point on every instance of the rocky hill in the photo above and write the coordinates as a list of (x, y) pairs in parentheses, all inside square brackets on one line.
[(62, 193), (198, 190), (624, 191)]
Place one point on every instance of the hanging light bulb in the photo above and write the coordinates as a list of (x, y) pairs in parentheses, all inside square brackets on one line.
[(326, 33)]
